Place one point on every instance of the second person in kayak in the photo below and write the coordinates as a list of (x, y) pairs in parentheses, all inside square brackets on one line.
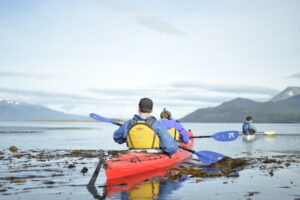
[(145, 132), (174, 127), (248, 126)]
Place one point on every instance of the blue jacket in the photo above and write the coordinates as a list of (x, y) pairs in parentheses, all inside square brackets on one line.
[(248, 125), (167, 143), (184, 136)]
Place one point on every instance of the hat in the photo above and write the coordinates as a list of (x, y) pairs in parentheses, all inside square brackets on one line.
[(146, 105)]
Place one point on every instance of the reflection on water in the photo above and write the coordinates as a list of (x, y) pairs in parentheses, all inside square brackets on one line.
[(270, 138), (154, 185), (46, 166), (149, 189)]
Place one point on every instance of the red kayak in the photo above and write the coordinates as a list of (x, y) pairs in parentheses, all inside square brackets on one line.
[(132, 163), (137, 181)]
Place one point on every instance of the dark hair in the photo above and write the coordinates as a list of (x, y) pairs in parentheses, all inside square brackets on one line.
[(249, 118), (145, 105), (165, 114)]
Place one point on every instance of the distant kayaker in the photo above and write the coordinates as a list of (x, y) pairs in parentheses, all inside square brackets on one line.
[(248, 126), (174, 127), (145, 132)]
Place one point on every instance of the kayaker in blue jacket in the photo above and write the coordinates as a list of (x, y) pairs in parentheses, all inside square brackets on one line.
[(145, 132), (174, 127), (248, 126)]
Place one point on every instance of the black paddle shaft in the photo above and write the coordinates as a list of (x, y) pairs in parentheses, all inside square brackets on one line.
[(184, 148), (206, 136)]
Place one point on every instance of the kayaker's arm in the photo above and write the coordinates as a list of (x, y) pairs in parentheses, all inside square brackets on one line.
[(252, 126), (167, 142), (121, 133), (184, 136)]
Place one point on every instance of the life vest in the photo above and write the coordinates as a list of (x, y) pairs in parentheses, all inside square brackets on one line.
[(149, 190), (174, 133), (247, 129), (142, 136)]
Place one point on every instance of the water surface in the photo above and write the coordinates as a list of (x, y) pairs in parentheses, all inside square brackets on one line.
[(53, 178)]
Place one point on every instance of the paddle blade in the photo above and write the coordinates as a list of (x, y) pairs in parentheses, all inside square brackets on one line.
[(103, 119), (269, 132), (226, 135), (209, 157)]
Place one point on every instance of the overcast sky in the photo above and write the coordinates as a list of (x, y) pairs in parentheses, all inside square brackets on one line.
[(102, 56)]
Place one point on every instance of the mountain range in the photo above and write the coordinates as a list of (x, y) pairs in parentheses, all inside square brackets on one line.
[(14, 110), (283, 108)]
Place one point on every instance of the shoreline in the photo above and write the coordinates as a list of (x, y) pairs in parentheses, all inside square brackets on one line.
[(35, 172)]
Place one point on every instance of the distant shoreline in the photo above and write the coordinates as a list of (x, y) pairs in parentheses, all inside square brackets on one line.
[(94, 121)]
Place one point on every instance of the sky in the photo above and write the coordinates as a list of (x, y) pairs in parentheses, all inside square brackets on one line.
[(103, 56)]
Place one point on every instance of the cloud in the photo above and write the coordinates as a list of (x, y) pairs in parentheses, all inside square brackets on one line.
[(190, 93), (145, 19), (163, 96), (203, 98), (48, 96), (180, 97), (81, 104), (115, 92), (297, 75), (157, 24), (119, 5), (4, 74), (234, 89)]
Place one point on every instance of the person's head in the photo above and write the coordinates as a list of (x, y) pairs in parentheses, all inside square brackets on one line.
[(165, 114), (249, 118), (145, 105)]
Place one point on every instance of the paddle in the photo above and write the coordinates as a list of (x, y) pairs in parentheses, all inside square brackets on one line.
[(103, 119), (97, 170), (206, 157), (222, 136), (269, 132)]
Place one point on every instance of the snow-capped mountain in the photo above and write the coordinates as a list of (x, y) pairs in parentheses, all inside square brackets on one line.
[(16, 110), (283, 108), (287, 93)]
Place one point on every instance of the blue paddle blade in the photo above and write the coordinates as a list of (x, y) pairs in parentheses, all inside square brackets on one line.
[(103, 119), (226, 135), (209, 157)]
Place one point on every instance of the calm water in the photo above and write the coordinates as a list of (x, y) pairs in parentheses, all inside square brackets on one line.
[(252, 183)]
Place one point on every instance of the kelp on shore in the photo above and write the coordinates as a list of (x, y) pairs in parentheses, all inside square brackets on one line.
[(32, 168)]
